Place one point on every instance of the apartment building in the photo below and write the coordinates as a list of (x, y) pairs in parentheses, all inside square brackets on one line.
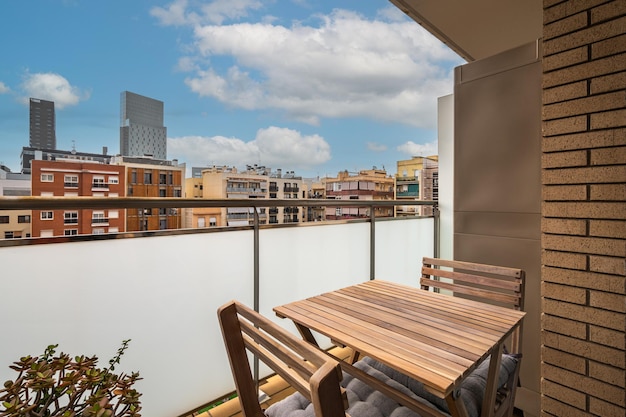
[(371, 184), (14, 224), (42, 132), (417, 179), (255, 182), (74, 178), (147, 177), (142, 132)]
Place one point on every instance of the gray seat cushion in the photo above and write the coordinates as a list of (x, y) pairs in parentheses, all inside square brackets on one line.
[(364, 401)]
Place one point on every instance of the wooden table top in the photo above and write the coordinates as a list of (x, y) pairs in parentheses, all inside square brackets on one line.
[(437, 339)]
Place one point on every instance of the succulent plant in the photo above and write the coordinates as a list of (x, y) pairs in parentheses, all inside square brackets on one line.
[(58, 386)]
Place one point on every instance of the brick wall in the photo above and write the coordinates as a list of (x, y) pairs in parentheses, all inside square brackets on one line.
[(584, 208)]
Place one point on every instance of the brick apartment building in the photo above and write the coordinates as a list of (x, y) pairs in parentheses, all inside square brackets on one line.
[(73, 178)]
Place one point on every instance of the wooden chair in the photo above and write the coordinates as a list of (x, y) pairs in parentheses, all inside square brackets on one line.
[(490, 284), (308, 370)]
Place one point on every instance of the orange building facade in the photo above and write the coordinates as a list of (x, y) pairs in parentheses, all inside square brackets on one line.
[(77, 179)]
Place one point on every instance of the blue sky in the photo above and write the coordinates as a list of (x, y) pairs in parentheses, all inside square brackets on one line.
[(308, 86)]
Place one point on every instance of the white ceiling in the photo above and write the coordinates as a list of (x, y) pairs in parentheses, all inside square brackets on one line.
[(477, 29)]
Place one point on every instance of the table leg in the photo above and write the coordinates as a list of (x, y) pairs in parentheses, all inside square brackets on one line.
[(489, 402), (456, 405), (306, 334)]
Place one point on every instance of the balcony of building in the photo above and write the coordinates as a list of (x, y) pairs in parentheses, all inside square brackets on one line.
[(162, 288)]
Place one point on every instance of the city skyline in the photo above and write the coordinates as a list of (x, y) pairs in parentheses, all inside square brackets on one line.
[(311, 88)]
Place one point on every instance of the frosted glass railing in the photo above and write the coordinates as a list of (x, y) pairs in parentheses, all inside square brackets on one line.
[(163, 292)]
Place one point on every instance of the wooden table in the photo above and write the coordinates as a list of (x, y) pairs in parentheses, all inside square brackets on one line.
[(437, 339)]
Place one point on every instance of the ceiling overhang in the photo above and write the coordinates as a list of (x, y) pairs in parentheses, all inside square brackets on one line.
[(478, 29)]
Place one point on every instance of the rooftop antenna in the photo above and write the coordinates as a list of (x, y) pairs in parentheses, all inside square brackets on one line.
[(73, 147)]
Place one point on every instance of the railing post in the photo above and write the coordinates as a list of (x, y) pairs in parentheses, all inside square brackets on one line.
[(256, 286), (372, 243), (436, 231)]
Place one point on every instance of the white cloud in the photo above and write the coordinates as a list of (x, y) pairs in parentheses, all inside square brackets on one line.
[(3, 88), (274, 147), (376, 147), (53, 87), (347, 67), (178, 13), (419, 149)]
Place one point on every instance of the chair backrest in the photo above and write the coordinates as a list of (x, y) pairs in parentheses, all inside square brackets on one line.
[(308, 370), (487, 283)]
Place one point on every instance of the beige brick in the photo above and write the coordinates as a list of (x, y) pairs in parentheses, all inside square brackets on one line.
[(584, 210), (608, 11), (607, 337), (551, 407), (608, 319), (606, 83), (584, 175), (584, 349), (607, 301), (592, 104), (567, 92), (583, 37), (564, 259), (612, 394), (588, 245), (608, 192), (564, 159), (607, 265), (604, 409), (608, 47), (592, 69), (559, 392), (608, 228), (591, 280), (564, 126), (605, 373), (609, 156), (567, 8), (563, 192), (597, 139), (565, 59), (564, 226), (608, 119), (563, 26), (568, 328), (566, 293)]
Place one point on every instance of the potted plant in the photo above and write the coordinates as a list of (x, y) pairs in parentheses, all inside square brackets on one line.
[(53, 385)]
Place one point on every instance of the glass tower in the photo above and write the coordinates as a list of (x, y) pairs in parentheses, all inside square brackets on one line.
[(141, 126)]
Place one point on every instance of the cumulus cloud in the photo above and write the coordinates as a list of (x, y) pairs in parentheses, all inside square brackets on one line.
[(3, 88), (388, 69), (376, 147), (274, 147), (53, 87), (419, 149)]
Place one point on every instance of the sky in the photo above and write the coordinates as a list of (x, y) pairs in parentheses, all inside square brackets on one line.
[(310, 86)]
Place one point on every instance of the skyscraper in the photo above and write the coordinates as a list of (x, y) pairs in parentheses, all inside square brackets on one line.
[(141, 126), (42, 125)]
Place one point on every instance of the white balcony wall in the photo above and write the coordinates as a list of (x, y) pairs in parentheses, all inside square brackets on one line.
[(163, 293)]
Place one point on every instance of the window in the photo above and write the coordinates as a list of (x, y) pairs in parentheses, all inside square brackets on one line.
[(163, 211), (162, 179), (338, 211), (23, 219), (170, 178), (71, 181), (70, 232), (162, 193), (46, 233), (47, 194), (162, 224), (47, 177), (4, 219), (178, 193), (212, 221), (70, 194), (114, 194), (133, 177), (98, 217), (70, 217), (147, 177), (46, 215), (114, 179), (98, 182), (12, 235), (114, 229), (114, 214), (98, 231)]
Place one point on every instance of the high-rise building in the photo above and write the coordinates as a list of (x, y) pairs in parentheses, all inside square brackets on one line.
[(141, 127), (42, 125)]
